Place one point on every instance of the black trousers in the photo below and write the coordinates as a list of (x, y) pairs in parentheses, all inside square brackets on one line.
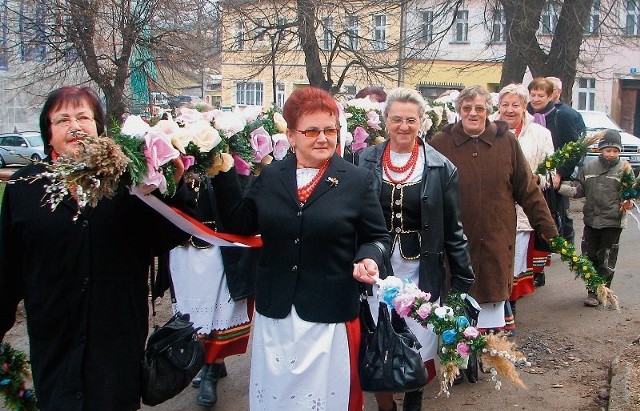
[(601, 246)]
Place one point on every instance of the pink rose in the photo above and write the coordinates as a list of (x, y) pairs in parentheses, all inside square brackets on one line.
[(403, 303), (462, 349), (158, 152), (188, 161), (373, 120), (424, 310), (280, 146), (261, 143), (471, 332), (242, 167), (360, 136)]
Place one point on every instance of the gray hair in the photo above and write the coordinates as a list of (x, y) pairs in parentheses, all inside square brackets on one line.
[(406, 95), (470, 93), (557, 83), (518, 89)]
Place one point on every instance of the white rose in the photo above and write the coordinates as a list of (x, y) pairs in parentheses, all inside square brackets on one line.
[(135, 126), (204, 136)]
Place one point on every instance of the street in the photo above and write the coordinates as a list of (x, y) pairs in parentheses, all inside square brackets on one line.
[(570, 347)]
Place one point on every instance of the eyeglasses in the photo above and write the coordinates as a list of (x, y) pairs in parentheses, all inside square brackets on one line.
[(83, 120), (314, 132), (479, 109), (411, 121)]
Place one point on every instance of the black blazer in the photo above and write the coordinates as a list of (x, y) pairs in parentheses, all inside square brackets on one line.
[(309, 250)]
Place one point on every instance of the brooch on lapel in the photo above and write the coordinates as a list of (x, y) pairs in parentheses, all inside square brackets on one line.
[(333, 182)]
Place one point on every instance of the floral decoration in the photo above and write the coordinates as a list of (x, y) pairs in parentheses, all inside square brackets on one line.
[(14, 369), (458, 338), (583, 267), (628, 187), (568, 152)]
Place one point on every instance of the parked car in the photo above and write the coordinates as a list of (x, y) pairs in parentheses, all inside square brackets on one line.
[(20, 148), (596, 121)]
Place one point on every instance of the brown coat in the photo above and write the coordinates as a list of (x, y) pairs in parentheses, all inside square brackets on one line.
[(494, 175)]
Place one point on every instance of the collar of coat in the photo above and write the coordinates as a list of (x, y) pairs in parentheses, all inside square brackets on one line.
[(492, 131)]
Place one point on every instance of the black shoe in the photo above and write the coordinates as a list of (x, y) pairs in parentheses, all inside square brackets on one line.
[(196, 381), (472, 369), (538, 279), (208, 396), (458, 378), (412, 401)]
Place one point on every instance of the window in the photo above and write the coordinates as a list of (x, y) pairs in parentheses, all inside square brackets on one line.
[(249, 93), (586, 93), (327, 34), (238, 43), (260, 29), (426, 31), (379, 31), (352, 31), (461, 27), (549, 18), (281, 22), (31, 26), (498, 34), (632, 27), (280, 95), (593, 23)]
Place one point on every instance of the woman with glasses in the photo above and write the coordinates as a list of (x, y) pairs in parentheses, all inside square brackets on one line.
[(494, 177), (323, 233), (535, 142), (418, 190), (83, 282)]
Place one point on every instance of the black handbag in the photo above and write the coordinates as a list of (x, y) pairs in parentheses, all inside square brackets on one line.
[(389, 357), (171, 360)]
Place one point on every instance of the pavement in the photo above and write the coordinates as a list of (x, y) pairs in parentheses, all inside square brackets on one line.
[(624, 379)]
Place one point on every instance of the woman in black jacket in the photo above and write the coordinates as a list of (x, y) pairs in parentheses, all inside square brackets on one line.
[(323, 231), (83, 282), (418, 190)]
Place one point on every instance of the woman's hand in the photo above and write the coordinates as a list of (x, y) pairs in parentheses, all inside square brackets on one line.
[(627, 205), (366, 271), (179, 165)]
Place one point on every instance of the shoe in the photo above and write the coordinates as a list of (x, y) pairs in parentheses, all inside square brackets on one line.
[(458, 378), (591, 300), (196, 381), (412, 401), (538, 279), (208, 396)]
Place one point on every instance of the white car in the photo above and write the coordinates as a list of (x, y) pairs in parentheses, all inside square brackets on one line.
[(598, 120), (20, 148)]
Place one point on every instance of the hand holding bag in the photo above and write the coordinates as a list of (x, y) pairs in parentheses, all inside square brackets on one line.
[(389, 356), (171, 360)]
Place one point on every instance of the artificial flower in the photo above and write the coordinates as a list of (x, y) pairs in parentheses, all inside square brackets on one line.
[(462, 349), (471, 332), (228, 122), (188, 115), (166, 126), (373, 120), (389, 288), (280, 145), (204, 136), (251, 113), (158, 151), (187, 161), (222, 162), (280, 122), (243, 168), (261, 143), (463, 322), (424, 310), (403, 304), (449, 336), (360, 136), (135, 126), (441, 312)]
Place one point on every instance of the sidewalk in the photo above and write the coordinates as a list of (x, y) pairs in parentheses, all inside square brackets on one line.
[(624, 379)]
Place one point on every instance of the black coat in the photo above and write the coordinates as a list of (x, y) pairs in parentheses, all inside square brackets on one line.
[(84, 286), (308, 251), (441, 228)]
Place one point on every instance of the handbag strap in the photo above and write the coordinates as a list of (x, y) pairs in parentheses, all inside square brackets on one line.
[(167, 342)]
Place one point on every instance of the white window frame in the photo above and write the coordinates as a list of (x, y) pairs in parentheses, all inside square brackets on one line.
[(426, 28), (549, 18), (498, 31), (632, 18), (326, 42), (461, 27), (260, 23), (593, 23), (379, 31), (239, 36), (352, 29), (249, 93), (586, 93), (280, 95)]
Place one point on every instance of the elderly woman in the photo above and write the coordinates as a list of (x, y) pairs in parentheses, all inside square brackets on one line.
[(323, 231), (418, 190), (494, 176), (84, 282), (535, 142)]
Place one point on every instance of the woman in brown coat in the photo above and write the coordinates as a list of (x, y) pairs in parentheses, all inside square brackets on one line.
[(494, 176)]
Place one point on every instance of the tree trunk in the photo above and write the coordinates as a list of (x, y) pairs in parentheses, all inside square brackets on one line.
[(309, 43)]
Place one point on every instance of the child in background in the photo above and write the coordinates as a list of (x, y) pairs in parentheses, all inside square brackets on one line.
[(604, 214)]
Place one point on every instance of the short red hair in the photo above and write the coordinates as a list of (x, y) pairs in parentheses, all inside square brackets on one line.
[(307, 100)]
